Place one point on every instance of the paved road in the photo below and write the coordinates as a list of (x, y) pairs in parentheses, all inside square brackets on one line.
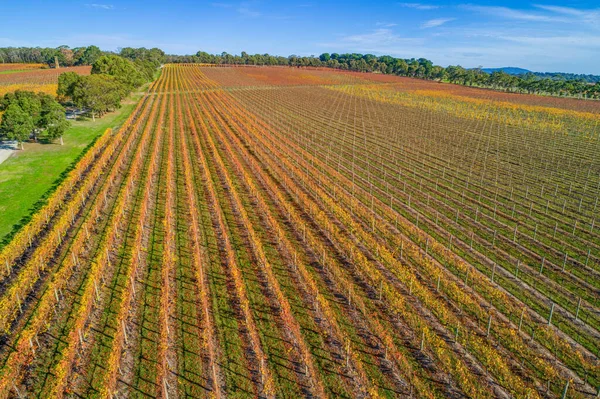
[(6, 149)]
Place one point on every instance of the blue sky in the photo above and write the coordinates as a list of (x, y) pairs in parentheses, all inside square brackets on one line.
[(541, 36)]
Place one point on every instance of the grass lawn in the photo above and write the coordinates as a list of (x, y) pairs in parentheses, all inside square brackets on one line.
[(27, 175)]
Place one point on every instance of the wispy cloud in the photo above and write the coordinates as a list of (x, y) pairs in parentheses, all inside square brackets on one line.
[(385, 24), (221, 5), (432, 23), (244, 9), (418, 6), (561, 10), (247, 12), (102, 6), (379, 41), (586, 41), (511, 13), (591, 17), (376, 38)]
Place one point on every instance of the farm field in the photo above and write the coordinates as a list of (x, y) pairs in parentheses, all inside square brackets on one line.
[(30, 77), (10, 68), (279, 232)]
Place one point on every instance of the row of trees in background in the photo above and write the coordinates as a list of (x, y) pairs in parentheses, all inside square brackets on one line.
[(113, 77), (46, 55), (418, 68), (26, 114), (67, 56), (527, 83)]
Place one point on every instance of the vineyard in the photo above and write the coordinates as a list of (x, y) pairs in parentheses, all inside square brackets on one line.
[(30, 77), (286, 232)]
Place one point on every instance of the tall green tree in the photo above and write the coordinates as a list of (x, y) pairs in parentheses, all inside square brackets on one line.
[(16, 124), (122, 69), (89, 56), (53, 119), (66, 84), (99, 93)]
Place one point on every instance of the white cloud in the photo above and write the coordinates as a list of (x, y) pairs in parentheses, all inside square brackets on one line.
[(221, 5), (247, 12), (385, 24), (510, 13), (559, 42), (376, 39), (432, 23), (244, 9), (591, 17), (418, 6), (102, 6)]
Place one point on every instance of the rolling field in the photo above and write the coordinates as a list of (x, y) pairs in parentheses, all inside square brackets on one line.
[(279, 232)]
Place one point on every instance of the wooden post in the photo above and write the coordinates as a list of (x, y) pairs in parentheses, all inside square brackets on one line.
[(124, 331), (17, 390), (489, 326), (347, 352), (422, 340), (564, 394), (587, 257), (551, 313), (521, 319), (165, 388), (19, 303)]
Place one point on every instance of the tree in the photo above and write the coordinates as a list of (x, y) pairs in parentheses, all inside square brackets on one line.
[(89, 56), (98, 93), (29, 102), (16, 124), (325, 57), (122, 69), (53, 119), (66, 84)]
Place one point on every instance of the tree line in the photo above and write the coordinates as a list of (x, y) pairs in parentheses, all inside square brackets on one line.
[(76, 56), (417, 68), (46, 55)]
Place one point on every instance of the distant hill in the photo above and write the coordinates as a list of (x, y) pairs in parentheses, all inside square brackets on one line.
[(508, 70), (545, 75)]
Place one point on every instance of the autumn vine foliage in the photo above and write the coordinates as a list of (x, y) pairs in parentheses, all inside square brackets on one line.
[(274, 232)]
